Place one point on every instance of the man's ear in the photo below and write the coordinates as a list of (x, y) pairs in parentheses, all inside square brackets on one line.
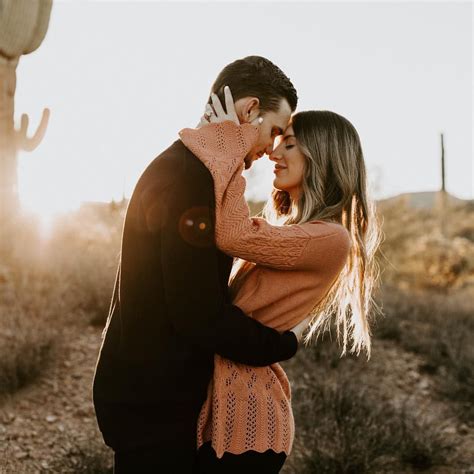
[(249, 109)]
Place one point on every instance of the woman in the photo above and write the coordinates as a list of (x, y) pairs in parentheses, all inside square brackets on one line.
[(319, 262)]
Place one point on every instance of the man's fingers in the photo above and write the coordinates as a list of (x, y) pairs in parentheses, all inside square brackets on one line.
[(216, 103)]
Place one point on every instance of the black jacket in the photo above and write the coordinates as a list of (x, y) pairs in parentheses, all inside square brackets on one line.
[(170, 312)]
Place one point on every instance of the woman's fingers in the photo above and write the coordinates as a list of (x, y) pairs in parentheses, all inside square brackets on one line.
[(202, 122), (216, 103), (209, 110), (215, 113), (229, 105)]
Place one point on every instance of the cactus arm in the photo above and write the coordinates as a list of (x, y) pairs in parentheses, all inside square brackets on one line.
[(29, 144)]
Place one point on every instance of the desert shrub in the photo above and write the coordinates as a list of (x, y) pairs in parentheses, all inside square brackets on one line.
[(27, 330), (49, 282), (84, 249), (346, 429), (466, 232), (424, 249), (436, 262), (89, 456), (440, 328)]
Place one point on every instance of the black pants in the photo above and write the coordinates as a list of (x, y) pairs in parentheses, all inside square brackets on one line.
[(248, 462), (155, 460)]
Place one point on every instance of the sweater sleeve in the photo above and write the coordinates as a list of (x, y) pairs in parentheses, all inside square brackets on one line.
[(196, 307), (222, 148)]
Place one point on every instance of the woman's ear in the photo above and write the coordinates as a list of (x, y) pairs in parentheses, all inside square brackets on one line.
[(250, 109)]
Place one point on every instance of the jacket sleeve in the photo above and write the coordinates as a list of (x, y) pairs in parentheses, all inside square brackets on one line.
[(222, 148), (193, 292)]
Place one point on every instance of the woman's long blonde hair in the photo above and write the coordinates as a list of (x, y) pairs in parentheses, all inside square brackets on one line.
[(334, 188)]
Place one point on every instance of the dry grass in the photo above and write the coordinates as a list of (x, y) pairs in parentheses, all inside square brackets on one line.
[(343, 427), (27, 311), (347, 425), (425, 250), (348, 430), (88, 457), (45, 285), (439, 327)]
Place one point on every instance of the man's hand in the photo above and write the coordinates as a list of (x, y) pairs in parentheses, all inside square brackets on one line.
[(300, 328)]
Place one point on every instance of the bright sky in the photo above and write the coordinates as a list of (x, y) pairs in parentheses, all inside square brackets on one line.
[(122, 78)]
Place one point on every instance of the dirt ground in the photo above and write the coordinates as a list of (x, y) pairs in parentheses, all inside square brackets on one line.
[(50, 425)]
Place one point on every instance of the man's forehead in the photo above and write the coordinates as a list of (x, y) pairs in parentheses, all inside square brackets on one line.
[(281, 127), (283, 116)]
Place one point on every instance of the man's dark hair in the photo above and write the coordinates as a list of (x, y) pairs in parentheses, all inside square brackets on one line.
[(255, 76)]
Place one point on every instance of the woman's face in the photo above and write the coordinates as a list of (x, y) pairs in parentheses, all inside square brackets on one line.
[(289, 164)]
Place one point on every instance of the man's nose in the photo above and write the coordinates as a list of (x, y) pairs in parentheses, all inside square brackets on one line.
[(269, 149)]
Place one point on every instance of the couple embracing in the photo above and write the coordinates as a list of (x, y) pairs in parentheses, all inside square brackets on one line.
[(207, 299)]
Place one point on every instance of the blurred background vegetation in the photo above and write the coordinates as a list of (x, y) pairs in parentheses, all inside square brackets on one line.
[(408, 409)]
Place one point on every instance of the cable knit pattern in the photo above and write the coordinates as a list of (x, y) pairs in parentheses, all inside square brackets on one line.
[(222, 148), (249, 408)]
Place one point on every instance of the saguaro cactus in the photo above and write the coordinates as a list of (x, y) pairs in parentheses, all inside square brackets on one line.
[(23, 26)]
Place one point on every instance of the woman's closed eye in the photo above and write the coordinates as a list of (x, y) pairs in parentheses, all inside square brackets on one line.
[(287, 147)]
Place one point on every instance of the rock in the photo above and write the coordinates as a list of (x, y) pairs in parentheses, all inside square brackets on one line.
[(463, 429), (443, 371), (424, 384), (82, 412), (44, 464), (7, 418), (21, 455), (449, 430), (51, 418), (413, 374)]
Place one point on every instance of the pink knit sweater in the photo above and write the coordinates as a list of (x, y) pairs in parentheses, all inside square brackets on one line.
[(249, 408)]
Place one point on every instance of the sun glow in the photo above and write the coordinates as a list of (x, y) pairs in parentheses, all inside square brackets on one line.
[(46, 205)]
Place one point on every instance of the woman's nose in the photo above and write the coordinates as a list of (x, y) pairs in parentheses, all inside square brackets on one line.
[(274, 155)]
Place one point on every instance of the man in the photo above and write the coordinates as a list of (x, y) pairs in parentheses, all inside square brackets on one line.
[(170, 309)]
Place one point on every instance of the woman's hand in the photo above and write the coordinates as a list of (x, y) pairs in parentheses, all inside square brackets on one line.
[(300, 328), (216, 113)]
